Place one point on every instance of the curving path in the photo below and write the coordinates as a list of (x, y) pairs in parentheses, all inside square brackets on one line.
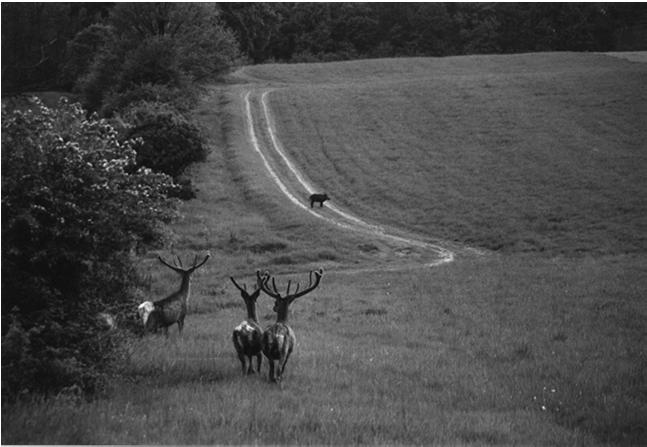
[(273, 150)]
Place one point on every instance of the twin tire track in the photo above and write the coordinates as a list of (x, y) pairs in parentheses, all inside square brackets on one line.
[(338, 217)]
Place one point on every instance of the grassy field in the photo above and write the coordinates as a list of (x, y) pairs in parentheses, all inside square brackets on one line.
[(526, 154), (538, 340)]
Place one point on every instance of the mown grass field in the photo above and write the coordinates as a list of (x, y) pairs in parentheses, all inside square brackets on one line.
[(538, 340), (527, 153)]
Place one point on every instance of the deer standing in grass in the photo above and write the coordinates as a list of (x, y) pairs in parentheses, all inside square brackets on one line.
[(172, 309), (278, 339), (248, 334)]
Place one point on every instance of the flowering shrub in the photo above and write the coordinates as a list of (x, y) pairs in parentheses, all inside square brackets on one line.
[(74, 209)]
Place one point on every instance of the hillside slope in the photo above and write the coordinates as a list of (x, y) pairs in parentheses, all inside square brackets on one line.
[(552, 146), (504, 346)]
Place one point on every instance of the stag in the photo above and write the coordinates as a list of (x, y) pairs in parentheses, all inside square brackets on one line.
[(278, 339), (172, 309), (247, 335)]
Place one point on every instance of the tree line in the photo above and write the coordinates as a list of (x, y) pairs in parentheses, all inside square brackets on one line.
[(295, 32), (40, 40)]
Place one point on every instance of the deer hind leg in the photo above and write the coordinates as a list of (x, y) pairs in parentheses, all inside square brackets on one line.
[(239, 350), (180, 326), (250, 365), (284, 361), (241, 357), (259, 360), (271, 376)]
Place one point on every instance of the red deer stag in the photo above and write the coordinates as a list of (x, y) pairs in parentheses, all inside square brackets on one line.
[(172, 309), (247, 335), (278, 339)]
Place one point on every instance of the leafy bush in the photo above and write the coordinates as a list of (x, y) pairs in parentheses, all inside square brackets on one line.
[(201, 46), (153, 61), (74, 208), (102, 77), (81, 50), (180, 98), (171, 45), (167, 141)]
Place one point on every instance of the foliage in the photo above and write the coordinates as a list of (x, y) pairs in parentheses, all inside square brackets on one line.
[(204, 35), (34, 37), (256, 25), (179, 98), (202, 46), (74, 206), (81, 50), (168, 142), (153, 61), (101, 78), (166, 44), (334, 31), (30, 41)]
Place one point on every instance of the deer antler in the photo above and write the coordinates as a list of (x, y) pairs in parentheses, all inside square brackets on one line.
[(262, 282), (172, 267), (274, 293), (197, 266), (178, 267), (311, 286), (242, 289)]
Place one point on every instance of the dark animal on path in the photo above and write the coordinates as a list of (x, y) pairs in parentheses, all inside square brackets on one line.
[(279, 339), (248, 334), (172, 309), (321, 198)]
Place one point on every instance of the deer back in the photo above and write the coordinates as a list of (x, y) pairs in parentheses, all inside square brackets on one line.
[(278, 339)]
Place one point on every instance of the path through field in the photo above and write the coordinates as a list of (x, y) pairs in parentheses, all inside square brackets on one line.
[(271, 150)]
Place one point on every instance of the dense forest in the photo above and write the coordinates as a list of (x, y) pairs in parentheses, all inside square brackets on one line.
[(88, 187)]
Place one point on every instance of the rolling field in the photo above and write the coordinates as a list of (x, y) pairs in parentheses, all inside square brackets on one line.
[(530, 168), (527, 154)]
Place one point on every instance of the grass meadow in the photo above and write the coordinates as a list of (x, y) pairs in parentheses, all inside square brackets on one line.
[(523, 153), (536, 160)]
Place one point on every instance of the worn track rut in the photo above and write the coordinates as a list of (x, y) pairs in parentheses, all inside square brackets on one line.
[(271, 152)]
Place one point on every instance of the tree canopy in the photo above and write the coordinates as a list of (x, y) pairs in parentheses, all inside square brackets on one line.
[(206, 36)]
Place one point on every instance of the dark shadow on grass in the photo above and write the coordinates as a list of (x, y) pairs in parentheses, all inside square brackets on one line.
[(182, 373), (483, 436)]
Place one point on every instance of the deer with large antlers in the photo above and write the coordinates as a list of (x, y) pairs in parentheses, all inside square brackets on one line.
[(172, 309), (247, 335), (278, 339)]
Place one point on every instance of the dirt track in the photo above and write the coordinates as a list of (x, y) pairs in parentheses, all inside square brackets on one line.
[(271, 152)]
